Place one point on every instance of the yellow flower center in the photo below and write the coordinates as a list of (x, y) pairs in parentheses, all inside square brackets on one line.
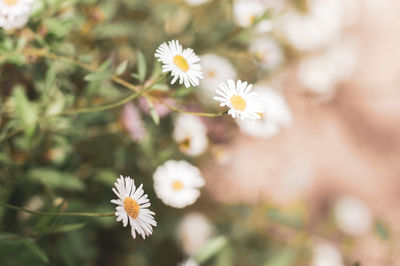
[(181, 62), (253, 19), (185, 144), (10, 2), (261, 115), (177, 185), (131, 207), (238, 103), (211, 74)]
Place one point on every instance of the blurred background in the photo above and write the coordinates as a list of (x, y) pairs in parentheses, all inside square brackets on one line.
[(316, 182)]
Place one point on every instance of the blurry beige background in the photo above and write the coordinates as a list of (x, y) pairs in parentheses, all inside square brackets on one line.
[(347, 144)]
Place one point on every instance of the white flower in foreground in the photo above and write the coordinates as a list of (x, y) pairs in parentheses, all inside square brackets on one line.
[(268, 52), (14, 13), (215, 68), (177, 183), (196, 2), (183, 63), (193, 232), (277, 115), (133, 207), (191, 134), (188, 262), (243, 102), (352, 216), (326, 254)]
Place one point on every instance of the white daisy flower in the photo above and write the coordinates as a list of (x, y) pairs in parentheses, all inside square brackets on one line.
[(215, 68), (326, 254), (352, 216), (276, 116), (177, 183), (14, 13), (191, 134), (183, 63), (243, 102), (268, 52), (188, 262), (193, 232), (133, 207)]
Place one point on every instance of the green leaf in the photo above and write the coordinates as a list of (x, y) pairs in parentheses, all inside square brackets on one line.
[(141, 65), (211, 248), (55, 179), (32, 246), (135, 76), (156, 70), (68, 228), (50, 77), (285, 257), (153, 113), (106, 177), (121, 68), (160, 87), (381, 230), (26, 112), (106, 65), (225, 257), (98, 76)]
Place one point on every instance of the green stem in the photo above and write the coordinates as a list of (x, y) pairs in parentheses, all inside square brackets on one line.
[(70, 214), (112, 105)]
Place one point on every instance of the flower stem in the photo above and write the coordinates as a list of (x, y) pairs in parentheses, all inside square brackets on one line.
[(112, 105), (69, 214)]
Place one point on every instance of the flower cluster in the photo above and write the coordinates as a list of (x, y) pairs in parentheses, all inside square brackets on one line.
[(184, 65)]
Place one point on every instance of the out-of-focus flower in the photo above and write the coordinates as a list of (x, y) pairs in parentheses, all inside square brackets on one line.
[(132, 122), (188, 262), (268, 52), (160, 108), (183, 63), (314, 30), (320, 73), (352, 216), (14, 13), (193, 232), (196, 2), (215, 68), (326, 254), (191, 134), (133, 207), (243, 102), (277, 115), (177, 183), (247, 11), (33, 204)]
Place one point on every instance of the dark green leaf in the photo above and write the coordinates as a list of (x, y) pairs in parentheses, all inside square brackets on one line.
[(36, 250)]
